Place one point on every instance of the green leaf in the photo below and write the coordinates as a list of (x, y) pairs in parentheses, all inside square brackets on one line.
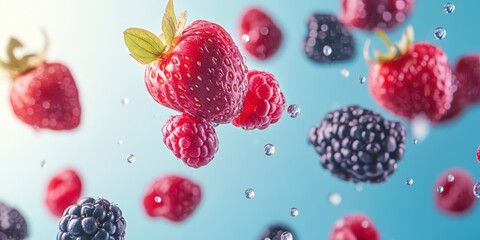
[(168, 28), (182, 20), (170, 11), (144, 46)]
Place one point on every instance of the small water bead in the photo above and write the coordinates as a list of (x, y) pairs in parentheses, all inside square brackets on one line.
[(214, 124), (345, 72), (293, 110), (158, 199), (119, 141), (476, 189), (125, 101), (244, 59), (335, 199), (131, 158), (415, 141), (43, 163), (245, 38), (440, 33), (440, 189), (362, 79), (420, 127), (450, 178), (327, 50), (449, 7), (286, 236), (294, 212), (269, 149), (409, 181), (249, 193)]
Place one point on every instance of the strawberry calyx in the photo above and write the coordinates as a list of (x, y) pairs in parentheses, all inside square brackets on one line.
[(146, 47), (394, 50), (15, 66)]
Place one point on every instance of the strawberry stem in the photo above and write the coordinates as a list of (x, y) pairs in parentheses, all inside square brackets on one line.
[(394, 50)]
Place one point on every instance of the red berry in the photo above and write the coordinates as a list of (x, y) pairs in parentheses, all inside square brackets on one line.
[(191, 139), (371, 14), (354, 227), (172, 197), (467, 71), (478, 153), (457, 196), (261, 36), (415, 80), (63, 190), (264, 103)]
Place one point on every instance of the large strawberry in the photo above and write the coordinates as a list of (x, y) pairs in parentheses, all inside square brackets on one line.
[(197, 70), (412, 79), (43, 95)]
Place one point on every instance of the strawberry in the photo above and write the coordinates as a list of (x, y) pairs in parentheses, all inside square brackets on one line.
[(412, 79), (172, 197), (197, 70), (370, 14), (260, 34), (63, 190), (43, 95), (354, 227)]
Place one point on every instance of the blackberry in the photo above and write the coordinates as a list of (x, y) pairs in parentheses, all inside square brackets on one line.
[(359, 145), (92, 219), (12, 224), (328, 39), (274, 232)]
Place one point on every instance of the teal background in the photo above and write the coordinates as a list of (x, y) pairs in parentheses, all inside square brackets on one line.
[(87, 36)]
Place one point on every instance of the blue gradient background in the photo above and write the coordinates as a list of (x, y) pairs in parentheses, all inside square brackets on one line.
[(87, 36)]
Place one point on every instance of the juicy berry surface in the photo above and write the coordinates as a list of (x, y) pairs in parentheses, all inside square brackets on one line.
[(354, 227)]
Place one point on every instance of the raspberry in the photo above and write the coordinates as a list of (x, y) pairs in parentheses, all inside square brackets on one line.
[(274, 232), (457, 195), (264, 103), (172, 197), (63, 190), (92, 219), (354, 227), (358, 145), (191, 139), (478, 154), (12, 224)]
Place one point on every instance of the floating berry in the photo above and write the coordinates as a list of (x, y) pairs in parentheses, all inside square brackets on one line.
[(172, 197), (191, 139), (63, 190), (358, 145), (264, 104), (13, 225), (275, 232), (354, 227), (260, 34), (457, 195), (478, 154)]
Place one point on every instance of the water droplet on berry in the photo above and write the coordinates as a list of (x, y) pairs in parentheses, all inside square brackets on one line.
[(440, 33), (214, 124), (345, 72), (125, 101), (449, 7), (286, 235), (440, 189), (409, 181), (119, 141), (264, 30), (43, 163), (450, 178), (327, 50), (335, 199), (249, 193), (131, 158), (158, 199), (365, 224), (415, 141), (269, 149), (244, 59), (420, 127), (362, 79), (293, 110), (293, 212), (245, 38)]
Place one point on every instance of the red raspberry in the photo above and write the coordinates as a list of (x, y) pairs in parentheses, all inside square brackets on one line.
[(478, 153), (191, 139), (467, 70), (172, 197), (63, 190), (354, 227), (264, 103), (457, 195)]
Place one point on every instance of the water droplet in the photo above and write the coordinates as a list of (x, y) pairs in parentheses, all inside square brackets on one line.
[(264, 30), (345, 72), (440, 33), (415, 141), (43, 163), (420, 127), (335, 199), (327, 50), (249, 193), (125, 101), (286, 235), (131, 158), (450, 178), (269, 149), (245, 38), (365, 224), (409, 181), (293, 212), (293, 110), (158, 199), (244, 59), (119, 141), (449, 7), (440, 189), (214, 124), (476, 189), (362, 79)]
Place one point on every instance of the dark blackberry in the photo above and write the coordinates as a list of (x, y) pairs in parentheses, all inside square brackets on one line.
[(358, 145), (12, 224), (274, 232), (325, 31), (92, 219)]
